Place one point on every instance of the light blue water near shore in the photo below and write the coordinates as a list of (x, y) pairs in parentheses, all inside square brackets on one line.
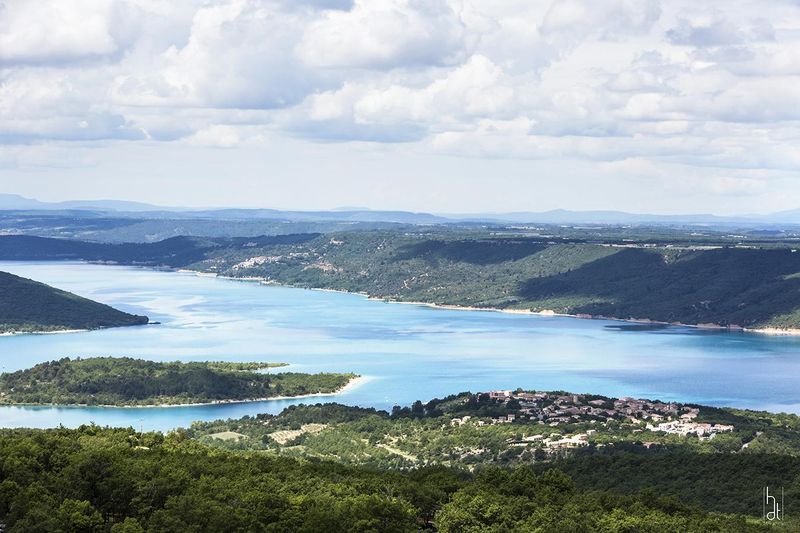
[(408, 352)]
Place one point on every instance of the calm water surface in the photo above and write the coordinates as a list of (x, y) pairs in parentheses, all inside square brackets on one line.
[(407, 352)]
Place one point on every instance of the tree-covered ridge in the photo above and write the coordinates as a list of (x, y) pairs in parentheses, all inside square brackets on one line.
[(471, 430), (127, 381), (175, 251), (27, 305), (97, 480), (671, 276), (749, 287)]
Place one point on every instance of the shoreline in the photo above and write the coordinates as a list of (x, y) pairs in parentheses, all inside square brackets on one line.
[(772, 331), (787, 332), (42, 332), (60, 331), (352, 384), (777, 332)]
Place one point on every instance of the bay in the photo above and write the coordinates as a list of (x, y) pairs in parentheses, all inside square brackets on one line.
[(405, 352)]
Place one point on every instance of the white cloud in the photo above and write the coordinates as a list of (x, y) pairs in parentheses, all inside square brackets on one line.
[(709, 87), (575, 20), (385, 34), (50, 104), (52, 31), (390, 110), (238, 54), (718, 30)]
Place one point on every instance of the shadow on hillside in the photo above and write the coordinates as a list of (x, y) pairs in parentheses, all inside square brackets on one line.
[(174, 251), (724, 286), (637, 327), (483, 252)]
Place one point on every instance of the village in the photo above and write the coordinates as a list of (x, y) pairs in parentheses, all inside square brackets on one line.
[(556, 409)]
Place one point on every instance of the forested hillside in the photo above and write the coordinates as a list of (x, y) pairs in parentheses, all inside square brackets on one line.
[(115, 228), (174, 252), (127, 381), (715, 456), (715, 282), (100, 480), (749, 287), (27, 305), (437, 432)]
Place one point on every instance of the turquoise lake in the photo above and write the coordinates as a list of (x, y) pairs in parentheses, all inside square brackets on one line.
[(406, 352)]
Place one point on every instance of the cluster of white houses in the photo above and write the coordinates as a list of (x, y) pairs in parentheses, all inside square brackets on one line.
[(558, 408), (684, 428), (598, 415)]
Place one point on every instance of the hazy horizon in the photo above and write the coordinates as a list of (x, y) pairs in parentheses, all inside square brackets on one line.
[(103, 200)]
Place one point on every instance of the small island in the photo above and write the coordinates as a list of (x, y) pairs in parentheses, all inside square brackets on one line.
[(124, 381)]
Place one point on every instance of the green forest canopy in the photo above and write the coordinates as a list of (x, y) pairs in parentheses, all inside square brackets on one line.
[(117, 480), (128, 381)]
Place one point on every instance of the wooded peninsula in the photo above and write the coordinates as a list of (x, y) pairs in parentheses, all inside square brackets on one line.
[(124, 381), (28, 306)]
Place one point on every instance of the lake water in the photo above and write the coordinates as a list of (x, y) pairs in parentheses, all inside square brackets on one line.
[(407, 352)]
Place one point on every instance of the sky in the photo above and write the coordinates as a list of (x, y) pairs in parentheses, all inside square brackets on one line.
[(447, 106)]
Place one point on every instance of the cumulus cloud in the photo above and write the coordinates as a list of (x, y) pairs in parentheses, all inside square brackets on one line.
[(50, 105), (51, 31), (393, 110), (719, 30), (704, 85), (575, 20), (386, 34), (237, 54)]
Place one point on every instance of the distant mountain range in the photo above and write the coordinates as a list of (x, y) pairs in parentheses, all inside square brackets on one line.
[(562, 216), (20, 203), (121, 208)]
